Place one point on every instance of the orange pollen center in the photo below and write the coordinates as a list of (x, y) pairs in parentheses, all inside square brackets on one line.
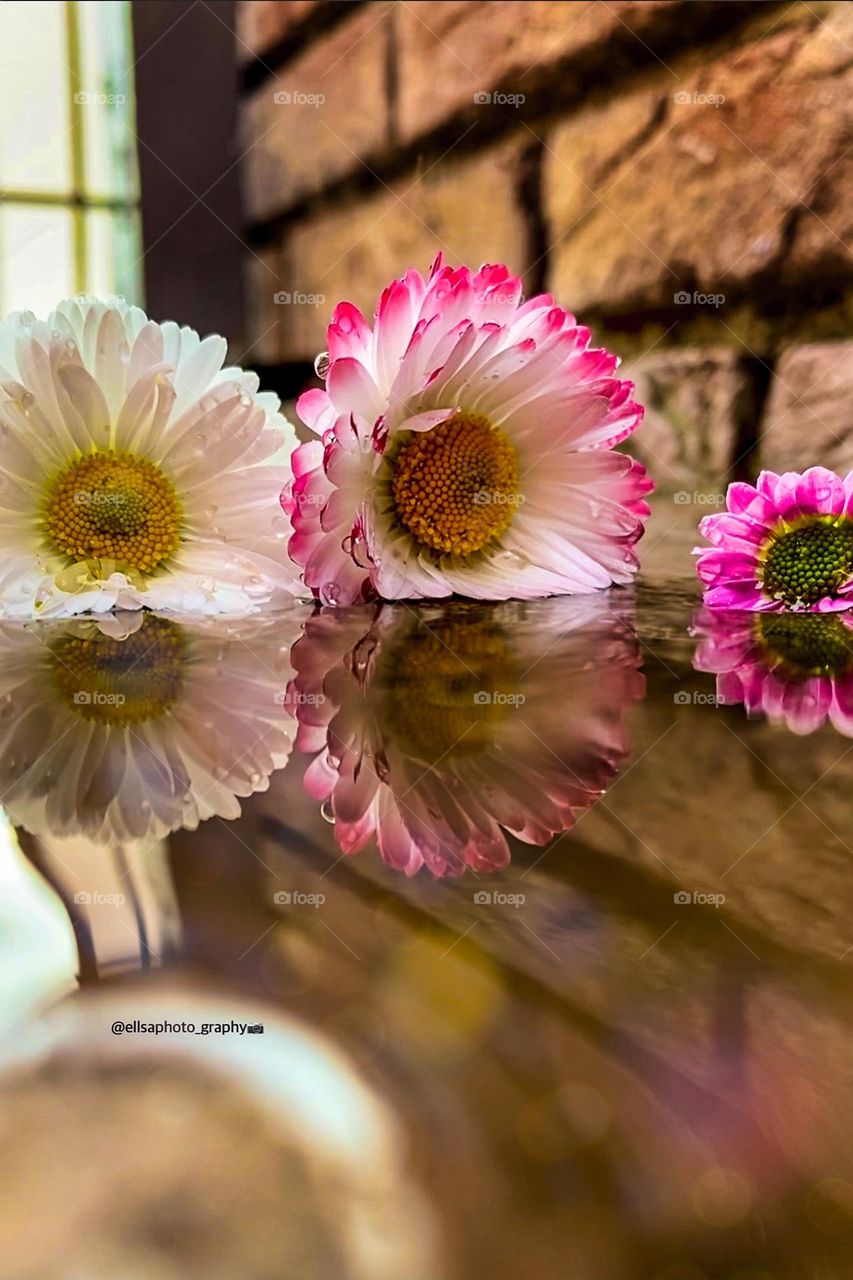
[(455, 487), (114, 506)]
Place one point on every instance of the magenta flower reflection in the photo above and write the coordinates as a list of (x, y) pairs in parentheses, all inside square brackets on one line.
[(439, 730), (786, 544), (794, 669)]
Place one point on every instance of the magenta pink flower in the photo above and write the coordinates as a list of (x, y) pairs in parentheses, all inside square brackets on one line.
[(467, 448), (795, 671), (433, 730), (786, 544)]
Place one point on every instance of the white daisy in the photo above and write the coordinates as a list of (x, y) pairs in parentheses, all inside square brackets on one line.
[(130, 725), (134, 469)]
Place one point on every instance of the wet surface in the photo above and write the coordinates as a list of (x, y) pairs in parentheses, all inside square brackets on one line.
[(545, 911)]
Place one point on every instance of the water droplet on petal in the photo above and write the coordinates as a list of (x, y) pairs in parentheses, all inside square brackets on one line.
[(327, 812), (322, 364), (330, 593)]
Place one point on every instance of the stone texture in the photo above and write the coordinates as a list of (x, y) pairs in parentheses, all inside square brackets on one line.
[(449, 52), (466, 210), (716, 191), (313, 122), (690, 430), (261, 23), (808, 411)]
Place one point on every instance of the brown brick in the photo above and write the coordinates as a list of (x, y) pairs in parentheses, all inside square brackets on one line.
[(451, 51), (261, 23), (808, 410), (467, 210), (263, 315), (313, 122), (705, 190), (689, 433)]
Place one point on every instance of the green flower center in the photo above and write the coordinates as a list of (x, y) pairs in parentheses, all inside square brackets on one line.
[(806, 564), (805, 644), (121, 682)]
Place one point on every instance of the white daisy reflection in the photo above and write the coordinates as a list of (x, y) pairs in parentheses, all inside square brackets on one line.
[(133, 725), (440, 729)]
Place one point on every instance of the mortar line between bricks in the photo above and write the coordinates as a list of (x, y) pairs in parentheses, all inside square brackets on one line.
[(389, 165)]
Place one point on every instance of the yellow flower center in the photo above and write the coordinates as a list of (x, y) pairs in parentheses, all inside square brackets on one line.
[(114, 506), (455, 487), (121, 682), (462, 668)]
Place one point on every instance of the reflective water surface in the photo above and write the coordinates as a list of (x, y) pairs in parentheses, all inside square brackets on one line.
[(543, 910)]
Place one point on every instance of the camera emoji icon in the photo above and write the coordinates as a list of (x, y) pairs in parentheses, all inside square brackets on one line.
[(283, 898), (681, 898)]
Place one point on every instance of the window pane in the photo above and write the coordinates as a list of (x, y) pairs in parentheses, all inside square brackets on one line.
[(106, 98), (113, 252), (35, 142), (36, 251)]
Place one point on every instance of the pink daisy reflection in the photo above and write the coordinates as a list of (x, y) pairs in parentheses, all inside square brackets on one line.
[(441, 729), (795, 670), (466, 447), (785, 544)]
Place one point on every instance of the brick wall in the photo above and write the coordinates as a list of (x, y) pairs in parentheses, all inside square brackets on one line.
[(679, 174)]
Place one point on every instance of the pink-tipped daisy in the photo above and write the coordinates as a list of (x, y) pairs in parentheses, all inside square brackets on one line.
[(433, 730), (785, 544), (795, 671), (467, 448)]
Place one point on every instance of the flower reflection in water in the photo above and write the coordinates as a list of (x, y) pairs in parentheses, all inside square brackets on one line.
[(440, 729), (794, 669), (134, 725)]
